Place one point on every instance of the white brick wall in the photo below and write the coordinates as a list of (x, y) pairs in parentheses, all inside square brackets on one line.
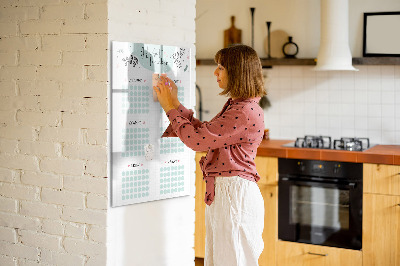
[(53, 111)]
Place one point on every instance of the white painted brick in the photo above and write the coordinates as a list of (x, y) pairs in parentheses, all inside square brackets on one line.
[(8, 261), (31, 2), (40, 27), (8, 204), (18, 161), (8, 234), (84, 121), (53, 227), (8, 117), (19, 221), (97, 11), (97, 202), (75, 230), (19, 13), (39, 58), (40, 148), (18, 191), (99, 260), (7, 175), (96, 73), (88, 57), (63, 104), (8, 58), (62, 166), (39, 87), (41, 179), (84, 247), (60, 73), (8, 146), (86, 184), (96, 137), (19, 251), (41, 210), (96, 168), (24, 103), (84, 216), (63, 197), (85, 152), (62, 12), (7, 88), (61, 259), (18, 72), (39, 118), (67, 42), (97, 42), (25, 262), (17, 132), (85, 89), (35, 239), (97, 234), (57, 134), (19, 43), (84, 26)]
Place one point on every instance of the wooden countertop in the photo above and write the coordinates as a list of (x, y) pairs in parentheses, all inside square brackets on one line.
[(379, 154)]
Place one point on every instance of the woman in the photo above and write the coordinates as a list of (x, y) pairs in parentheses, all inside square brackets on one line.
[(235, 207)]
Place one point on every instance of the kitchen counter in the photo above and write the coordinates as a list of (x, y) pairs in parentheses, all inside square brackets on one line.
[(379, 154)]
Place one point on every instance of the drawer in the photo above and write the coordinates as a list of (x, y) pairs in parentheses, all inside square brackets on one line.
[(381, 179)]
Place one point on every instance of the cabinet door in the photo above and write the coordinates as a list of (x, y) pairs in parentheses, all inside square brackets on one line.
[(267, 168), (200, 207), (270, 233), (381, 230), (381, 179), (297, 254)]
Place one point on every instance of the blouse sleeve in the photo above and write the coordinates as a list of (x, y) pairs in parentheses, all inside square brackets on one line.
[(225, 130), (188, 114)]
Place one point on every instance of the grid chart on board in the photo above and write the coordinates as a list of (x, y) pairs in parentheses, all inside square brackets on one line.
[(181, 97), (135, 184), (171, 145), (134, 140), (136, 101), (172, 179)]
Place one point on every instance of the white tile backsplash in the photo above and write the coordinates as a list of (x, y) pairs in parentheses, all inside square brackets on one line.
[(364, 103)]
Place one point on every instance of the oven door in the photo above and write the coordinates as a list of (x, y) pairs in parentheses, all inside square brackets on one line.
[(320, 212)]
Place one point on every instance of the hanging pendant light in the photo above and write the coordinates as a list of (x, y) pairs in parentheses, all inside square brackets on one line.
[(334, 51)]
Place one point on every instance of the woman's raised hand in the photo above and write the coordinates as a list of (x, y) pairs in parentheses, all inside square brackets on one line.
[(164, 93)]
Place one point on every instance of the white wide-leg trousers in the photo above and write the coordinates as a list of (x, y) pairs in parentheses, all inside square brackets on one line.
[(234, 223)]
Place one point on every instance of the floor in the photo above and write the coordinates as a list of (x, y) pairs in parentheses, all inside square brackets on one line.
[(199, 262)]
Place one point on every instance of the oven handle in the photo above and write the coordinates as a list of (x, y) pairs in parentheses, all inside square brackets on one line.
[(297, 181)]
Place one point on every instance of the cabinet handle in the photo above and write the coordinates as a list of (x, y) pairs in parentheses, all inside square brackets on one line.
[(318, 254)]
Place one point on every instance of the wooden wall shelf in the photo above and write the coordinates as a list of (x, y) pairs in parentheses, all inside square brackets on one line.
[(312, 61)]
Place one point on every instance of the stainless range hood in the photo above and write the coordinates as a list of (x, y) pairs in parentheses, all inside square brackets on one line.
[(334, 52)]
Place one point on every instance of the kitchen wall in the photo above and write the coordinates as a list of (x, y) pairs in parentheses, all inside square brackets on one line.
[(158, 232), (53, 121), (339, 104)]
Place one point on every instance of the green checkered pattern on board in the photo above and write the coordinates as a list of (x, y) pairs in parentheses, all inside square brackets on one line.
[(135, 184), (134, 139), (171, 145), (136, 101), (171, 179)]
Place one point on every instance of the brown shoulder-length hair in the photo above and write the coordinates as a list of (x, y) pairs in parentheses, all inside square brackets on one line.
[(245, 78)]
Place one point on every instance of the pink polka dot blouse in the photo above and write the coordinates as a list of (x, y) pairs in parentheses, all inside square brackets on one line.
[(231, 139)]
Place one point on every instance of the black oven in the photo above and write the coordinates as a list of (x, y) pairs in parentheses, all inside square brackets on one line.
[(320, 202)]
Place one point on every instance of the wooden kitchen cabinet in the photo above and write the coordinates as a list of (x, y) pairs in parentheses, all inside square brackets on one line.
[(381, 230), (298, 254), (200, 207), (381, 179), (381, 215)]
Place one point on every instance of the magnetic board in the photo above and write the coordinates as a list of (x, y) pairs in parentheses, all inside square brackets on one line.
[(144, 166)]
